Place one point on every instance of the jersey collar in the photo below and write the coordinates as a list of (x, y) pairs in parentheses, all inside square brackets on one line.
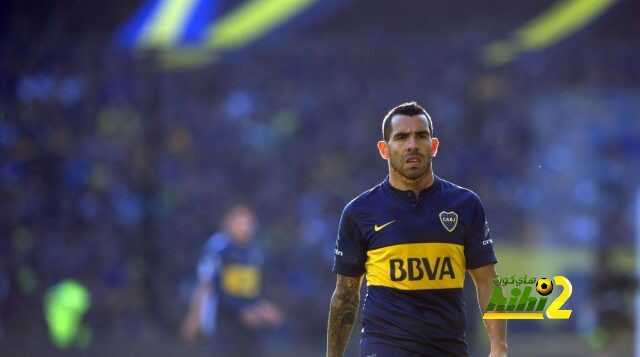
[(409, 196)]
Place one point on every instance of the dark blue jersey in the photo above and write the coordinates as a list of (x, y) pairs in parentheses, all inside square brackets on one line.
[(414, 250), (235, 273)]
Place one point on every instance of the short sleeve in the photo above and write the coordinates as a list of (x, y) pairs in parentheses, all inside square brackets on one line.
[(350, 249), (478, 248), (210, 262)]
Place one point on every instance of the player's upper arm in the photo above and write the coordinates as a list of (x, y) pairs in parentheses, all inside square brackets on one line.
[(478, 249), (350, 252), (210, 262)]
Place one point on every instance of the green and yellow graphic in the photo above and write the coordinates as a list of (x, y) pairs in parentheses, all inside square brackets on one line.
[(528, 299)]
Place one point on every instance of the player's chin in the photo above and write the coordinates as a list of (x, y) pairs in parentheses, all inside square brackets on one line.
[(414, 172)]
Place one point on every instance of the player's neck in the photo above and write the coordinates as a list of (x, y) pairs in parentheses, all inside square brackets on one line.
[(404, 184)]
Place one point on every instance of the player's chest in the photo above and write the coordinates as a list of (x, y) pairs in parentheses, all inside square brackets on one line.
[(437, 223), (240, 274)]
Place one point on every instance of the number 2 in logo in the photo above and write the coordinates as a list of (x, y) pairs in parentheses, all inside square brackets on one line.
[(555, 311)]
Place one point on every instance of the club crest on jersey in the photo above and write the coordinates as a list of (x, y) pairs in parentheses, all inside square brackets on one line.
[(449, 220)]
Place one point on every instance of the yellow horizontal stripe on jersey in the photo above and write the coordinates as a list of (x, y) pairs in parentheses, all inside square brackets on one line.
[(417, 266), (241, 280)]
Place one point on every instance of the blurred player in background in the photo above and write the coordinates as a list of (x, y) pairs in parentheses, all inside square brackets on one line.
[(414, 235), (227, 301)]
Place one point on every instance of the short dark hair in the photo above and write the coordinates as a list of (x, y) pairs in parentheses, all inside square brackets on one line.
[(409, 108)]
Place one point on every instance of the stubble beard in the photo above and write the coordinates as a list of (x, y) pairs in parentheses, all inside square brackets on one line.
[(411, 177)]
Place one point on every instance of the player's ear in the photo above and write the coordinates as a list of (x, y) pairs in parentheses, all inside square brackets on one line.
[(435, 143), (383, 149)]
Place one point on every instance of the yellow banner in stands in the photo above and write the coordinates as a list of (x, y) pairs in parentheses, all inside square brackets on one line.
[(167, 24), (238, 28), (252, 20), (560, 21)]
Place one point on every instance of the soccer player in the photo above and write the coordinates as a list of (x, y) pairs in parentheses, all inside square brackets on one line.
[(227, 301), (413, 236)]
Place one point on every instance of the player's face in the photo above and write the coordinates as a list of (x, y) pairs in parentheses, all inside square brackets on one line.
[(410, 148), (241, 224)]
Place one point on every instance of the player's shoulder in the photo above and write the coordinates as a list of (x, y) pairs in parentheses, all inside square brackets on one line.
[(364, 200), (455, 192), (216, 243)]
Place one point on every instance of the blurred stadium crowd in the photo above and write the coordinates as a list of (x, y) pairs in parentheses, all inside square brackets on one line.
[(115, 171)]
